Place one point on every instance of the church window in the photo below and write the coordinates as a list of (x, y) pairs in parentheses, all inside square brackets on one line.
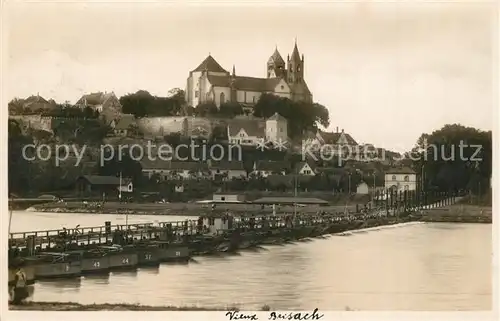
[(222, 98), (298, 68), (196, 94)]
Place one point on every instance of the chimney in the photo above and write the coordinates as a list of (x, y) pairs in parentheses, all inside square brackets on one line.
[(337, 129)]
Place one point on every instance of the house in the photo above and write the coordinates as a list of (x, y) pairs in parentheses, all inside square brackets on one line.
[(33, 104), (227, 169), (331, 143), (210, 82), (173, 169), (88, 184), (228, 198), (107, 104), (362, 189), (401, 179), (305, 168), (277, 129), (124, 126), (265, 168), (246, 132)]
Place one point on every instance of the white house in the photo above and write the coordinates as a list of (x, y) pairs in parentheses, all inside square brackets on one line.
[(277, 129), (246, 132), (227, 169), (172, 169), (305, 168), (266, 168), (333, 143), (401, 179)]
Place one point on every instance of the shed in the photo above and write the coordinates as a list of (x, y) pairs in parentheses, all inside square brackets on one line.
[(228, 198), (96, 183)]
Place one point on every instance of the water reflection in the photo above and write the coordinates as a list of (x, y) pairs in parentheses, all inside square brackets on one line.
[(96, 279), (124, 273), (65, 284)]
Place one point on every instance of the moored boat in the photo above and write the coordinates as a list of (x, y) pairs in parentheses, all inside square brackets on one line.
[(120, 258), (51, 265)]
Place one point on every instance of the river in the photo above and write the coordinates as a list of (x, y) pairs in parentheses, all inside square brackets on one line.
[(414, 266)]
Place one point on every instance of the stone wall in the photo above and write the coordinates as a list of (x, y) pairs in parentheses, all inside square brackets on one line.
[(186, 126), (36, 122)]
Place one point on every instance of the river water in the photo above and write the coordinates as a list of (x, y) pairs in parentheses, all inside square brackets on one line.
[(414, 266)]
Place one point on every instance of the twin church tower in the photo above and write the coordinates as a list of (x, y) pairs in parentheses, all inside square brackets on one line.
[(209, 82)]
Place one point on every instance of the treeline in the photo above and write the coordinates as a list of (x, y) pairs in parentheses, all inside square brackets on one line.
[(454, 157), (143, 104)]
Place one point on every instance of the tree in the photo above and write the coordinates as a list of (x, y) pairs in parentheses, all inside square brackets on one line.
[(301, 116), (142, 103), (230, 110), (206, 109), (445, 167), (137, 104)]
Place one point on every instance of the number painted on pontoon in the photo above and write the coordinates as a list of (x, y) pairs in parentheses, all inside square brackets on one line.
[(147, 257), (125, 260), (177, 253), (66, 267), (97, 264)]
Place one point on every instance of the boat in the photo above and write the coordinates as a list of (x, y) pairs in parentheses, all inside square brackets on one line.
[(49, 265), (120, 258)]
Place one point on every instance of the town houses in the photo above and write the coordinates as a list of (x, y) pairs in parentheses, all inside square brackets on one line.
[(210, 83)]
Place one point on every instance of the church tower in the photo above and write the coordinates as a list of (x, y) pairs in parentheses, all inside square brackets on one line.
[(276, 65), (295, 67)]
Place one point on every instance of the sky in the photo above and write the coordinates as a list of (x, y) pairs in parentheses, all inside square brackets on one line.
[(387, 72)]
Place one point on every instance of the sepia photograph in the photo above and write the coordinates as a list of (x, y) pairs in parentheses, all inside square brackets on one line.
[(262, 161)]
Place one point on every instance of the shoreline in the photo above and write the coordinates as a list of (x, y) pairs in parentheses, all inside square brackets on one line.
[(175, 209), (72, 306)]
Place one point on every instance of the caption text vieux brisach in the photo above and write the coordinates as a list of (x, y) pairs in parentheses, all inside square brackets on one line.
[(273, 315)]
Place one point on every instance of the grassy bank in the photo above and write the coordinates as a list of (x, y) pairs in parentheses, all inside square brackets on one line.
[(70, 306)]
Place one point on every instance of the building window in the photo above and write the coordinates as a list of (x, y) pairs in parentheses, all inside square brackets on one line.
[(281, 129), (196, 94), (407, 178), (407, 187), (254, 99), (223, 198), (222, 98), (282, 87), (393, 177)]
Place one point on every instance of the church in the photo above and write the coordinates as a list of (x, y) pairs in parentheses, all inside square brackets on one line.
[(210, 82)]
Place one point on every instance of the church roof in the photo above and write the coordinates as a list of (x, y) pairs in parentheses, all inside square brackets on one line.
[(295, 53), (245, 83), (276, 58), (209, 64)]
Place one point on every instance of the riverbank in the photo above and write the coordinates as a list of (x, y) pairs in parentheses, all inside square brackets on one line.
[(70, 306), (178, 209), (460, 213)]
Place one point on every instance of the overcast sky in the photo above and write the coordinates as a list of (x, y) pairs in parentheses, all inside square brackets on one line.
[(386, 72)]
